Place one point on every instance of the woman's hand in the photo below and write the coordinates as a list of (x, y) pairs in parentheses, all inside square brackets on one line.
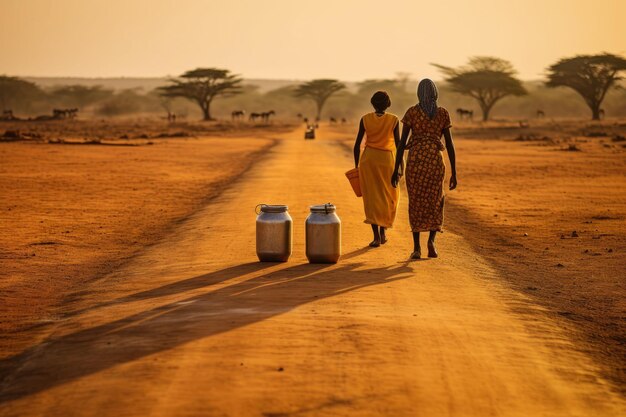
[(395, 179), (453, 182)]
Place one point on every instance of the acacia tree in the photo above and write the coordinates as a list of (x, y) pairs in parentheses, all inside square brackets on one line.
[(18, 93), (591, 76), (486, 79), (319, 91), (202, 86)]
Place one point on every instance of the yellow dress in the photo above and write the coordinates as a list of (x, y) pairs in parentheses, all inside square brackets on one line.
[(380, 198)]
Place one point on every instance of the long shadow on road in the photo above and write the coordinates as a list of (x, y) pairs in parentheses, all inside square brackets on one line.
[(182, 286), (69, 357)]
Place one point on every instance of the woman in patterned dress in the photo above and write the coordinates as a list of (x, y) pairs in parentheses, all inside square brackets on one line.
[(425, 168)]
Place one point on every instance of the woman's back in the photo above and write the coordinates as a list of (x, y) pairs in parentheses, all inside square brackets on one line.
[(423, 126), (379, 130)]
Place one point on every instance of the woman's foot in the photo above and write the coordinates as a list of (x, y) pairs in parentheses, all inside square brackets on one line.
[(432, 250), (417, 254), (383, 238), (377, 236)]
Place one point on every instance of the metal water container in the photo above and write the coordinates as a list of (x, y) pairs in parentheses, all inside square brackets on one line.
[(274, 233), (309, 133), (323, 234)]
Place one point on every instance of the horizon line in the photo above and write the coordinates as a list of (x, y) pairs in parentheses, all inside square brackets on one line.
[(244, 78)]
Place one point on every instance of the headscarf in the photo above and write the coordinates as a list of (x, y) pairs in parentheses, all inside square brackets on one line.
[(427, 94)]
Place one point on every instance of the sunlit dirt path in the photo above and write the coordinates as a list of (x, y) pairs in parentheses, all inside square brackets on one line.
[(195, 326)]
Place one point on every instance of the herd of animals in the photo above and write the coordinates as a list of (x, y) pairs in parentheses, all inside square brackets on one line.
[(240, 115), (57, 114), (264, 117), (469, 114)]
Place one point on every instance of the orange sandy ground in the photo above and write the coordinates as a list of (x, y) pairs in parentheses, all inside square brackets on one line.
[(522, 194), (507, 189), (72, 213), (522, 206)]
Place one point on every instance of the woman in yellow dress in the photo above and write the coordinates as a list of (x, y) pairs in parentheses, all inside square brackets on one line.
[(376, 166), (425, 168)]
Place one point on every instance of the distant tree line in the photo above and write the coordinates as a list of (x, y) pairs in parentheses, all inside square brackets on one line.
[(26, 97), (490, 79), (487, 81)]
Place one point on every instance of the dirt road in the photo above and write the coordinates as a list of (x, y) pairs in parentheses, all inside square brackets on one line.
[(195, 326)]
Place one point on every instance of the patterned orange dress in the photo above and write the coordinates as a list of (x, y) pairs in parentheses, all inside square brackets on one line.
[(425, 169)]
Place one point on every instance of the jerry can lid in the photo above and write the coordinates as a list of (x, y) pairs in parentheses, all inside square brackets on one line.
[(271, 208), (323, 208)]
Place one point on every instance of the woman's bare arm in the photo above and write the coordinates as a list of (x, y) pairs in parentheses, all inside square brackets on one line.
[(357, 143), (396, 134), (400, 154), (451, 156)]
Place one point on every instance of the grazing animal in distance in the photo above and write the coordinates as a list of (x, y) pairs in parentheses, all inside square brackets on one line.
[(171, 117), (237, 114), (72, 113), (305, 120), (254, 116), (344, 121), (64, 113), (299, 116), (333, 120), (265, 116), (540, 114), (464, 113)]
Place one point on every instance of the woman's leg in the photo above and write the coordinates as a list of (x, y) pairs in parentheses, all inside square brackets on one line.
[(376, 242), (417, 251), (432, 250)]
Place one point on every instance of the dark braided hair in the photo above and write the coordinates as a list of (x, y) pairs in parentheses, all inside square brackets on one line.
[(381, 101), (427, 94)]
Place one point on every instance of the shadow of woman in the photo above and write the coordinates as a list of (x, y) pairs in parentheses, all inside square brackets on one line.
[(202, 281), (69, 357), (184, 285)]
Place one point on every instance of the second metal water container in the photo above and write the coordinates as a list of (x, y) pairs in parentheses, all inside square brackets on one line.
[(323, 234), (274, 233)]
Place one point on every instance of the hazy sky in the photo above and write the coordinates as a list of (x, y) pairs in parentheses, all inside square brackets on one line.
[(345, 39)]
